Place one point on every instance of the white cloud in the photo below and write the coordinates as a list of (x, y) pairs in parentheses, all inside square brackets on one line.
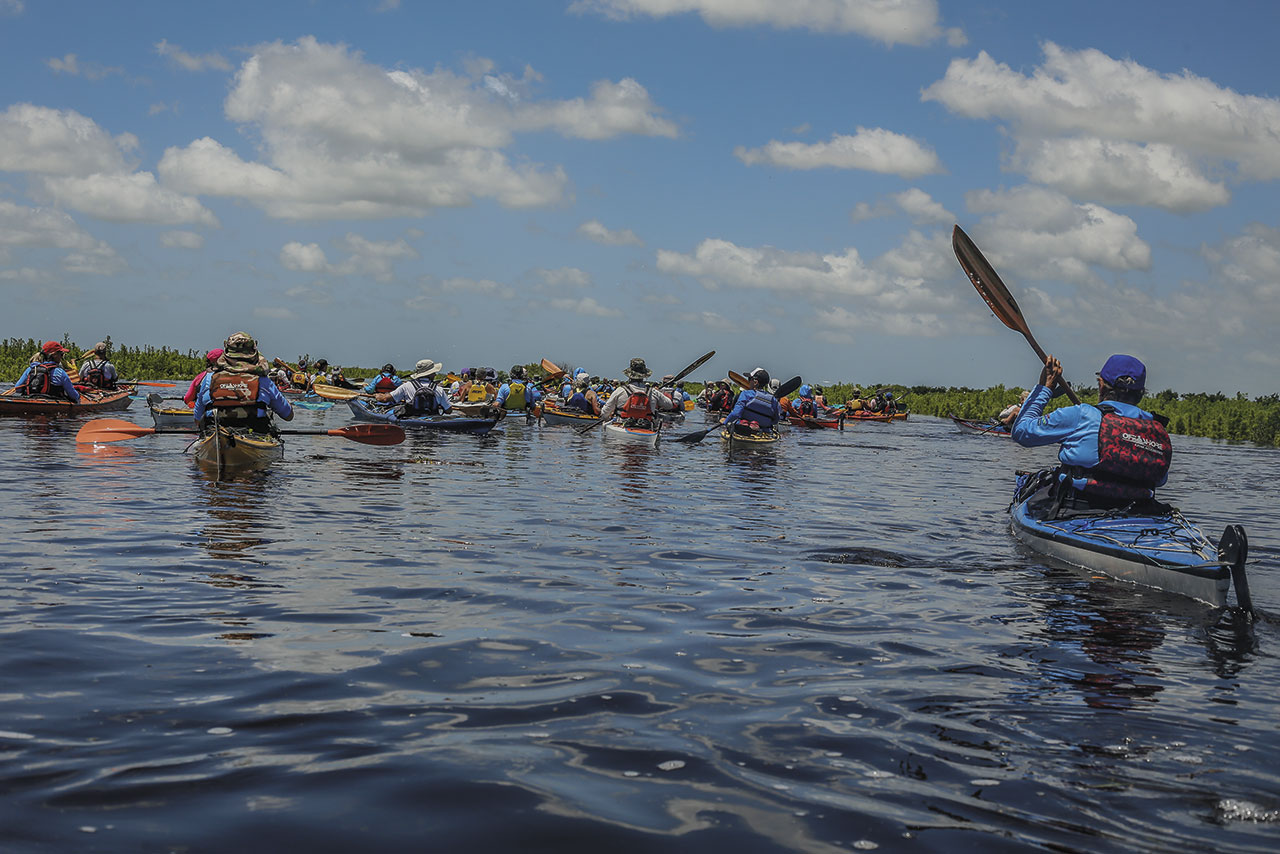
[(12, 7), (78, 165), (123, 197), (872, 149), (922, 208), (1114, 172), (1045, 235), (189, 61), (913, 22), (569, 277), (343, 138), (70, 64), (586, 306), (366, 258), (48, 228), (1115, 131), (274, 313), (596, 231), (182, 240), (480, 286)]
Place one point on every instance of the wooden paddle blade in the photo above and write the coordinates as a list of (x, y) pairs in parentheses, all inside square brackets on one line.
[(371, 434), (691, 368), (333, 392), (102, 430), (740, 379), (551, 369), (987, 282)]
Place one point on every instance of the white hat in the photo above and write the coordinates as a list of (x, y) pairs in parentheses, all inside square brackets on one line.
[(425, 368)]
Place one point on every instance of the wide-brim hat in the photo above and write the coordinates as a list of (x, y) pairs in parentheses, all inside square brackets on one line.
[(426, 368), (637, 370)]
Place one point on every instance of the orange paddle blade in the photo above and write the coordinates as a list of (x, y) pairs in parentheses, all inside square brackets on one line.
[(552, 370), (371, 434), (102, 430)]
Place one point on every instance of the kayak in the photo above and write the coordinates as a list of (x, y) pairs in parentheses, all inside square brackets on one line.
[(363, 410), (635, 435), (986, 428), (234, 449), (743, 441), (1161, 549), (167, 417), (863, 415), (12, 403), (309, 403), (816, 422), (554, 416)]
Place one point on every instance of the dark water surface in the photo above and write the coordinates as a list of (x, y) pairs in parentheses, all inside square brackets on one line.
[(538, 641)]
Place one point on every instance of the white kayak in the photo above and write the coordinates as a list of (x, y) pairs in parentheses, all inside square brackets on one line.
[(635, 435)]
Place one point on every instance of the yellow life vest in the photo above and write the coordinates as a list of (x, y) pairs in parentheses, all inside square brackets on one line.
[(515, 395), (299, 379), (477, 393)]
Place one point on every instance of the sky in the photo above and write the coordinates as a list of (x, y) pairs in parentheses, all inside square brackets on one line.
[(492, 183)]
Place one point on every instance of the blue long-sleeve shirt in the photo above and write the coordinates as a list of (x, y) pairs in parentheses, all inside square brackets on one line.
[(531, 395), (269, 396), (57, 377), (1074, 427), (766, 411)]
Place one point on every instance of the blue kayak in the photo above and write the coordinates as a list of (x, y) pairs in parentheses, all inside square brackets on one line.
[(365, 410), (1159, 549)]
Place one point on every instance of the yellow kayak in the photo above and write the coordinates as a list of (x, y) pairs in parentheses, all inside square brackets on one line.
[(232, 450)]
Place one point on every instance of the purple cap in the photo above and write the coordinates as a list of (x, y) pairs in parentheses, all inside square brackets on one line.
[(1124, 373)]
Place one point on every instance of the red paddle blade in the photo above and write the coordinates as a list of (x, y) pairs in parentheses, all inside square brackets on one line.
[(102, 430), (371, 434)]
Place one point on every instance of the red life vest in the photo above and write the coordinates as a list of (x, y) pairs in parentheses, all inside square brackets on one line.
[(92, 373), (1133, 457), (805, 406), (385, 383), (40, 380), (636, 406)]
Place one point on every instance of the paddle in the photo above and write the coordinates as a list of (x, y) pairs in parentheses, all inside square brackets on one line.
[(997, 296), (103, 430), (783, 390), (1233, 549), (333, 392), (552, 371), (154, 385), (688, 370)]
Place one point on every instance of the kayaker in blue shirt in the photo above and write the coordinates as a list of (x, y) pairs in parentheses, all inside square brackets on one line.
[(239, 390), (756, 410), (517, 393), (386, 380), (1112, 453), (45, 376), (421, 395), (96, 371)]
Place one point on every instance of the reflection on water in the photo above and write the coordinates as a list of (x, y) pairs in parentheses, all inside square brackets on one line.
[(537, 640)]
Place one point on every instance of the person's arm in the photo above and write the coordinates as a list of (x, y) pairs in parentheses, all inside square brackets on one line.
[(198, 411), (501, 399), (611, 405), (190, 397), (739, 405), (60, 377), (661, 401), (371, 386), (1033, 428), (278, 402)]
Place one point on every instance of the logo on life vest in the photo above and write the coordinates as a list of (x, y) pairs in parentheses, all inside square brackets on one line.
[(1142, 442)]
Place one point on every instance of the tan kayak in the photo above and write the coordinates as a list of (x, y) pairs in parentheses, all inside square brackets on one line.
[(233, 450)]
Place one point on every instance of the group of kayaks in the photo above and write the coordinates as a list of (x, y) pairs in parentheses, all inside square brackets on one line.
[(1155, 547)]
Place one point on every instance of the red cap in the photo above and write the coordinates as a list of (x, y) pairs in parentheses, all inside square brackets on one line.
[(214, 354), (52, 347)]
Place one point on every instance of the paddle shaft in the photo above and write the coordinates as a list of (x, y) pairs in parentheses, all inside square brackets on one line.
[(992, 289), (697, 363), (693, 438)]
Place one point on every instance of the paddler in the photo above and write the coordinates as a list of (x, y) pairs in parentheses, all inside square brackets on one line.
[(1009, 414), (756, 410), (635, 402), (805, 405), (385, 381), (239, 391), (210, 359), (45, 375), (1112, 454), (420, 395), (517, 393), (96, 371), (583, 398)]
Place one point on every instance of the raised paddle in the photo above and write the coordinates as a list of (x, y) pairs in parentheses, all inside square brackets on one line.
[(690, 368), (692, 438), (333, 392), (1002, 304), (552, 371), (103, 430)]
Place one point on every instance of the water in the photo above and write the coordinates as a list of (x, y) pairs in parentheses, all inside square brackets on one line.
[(537, 641)]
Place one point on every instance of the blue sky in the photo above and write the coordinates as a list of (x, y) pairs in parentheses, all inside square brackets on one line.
[(591, 180)]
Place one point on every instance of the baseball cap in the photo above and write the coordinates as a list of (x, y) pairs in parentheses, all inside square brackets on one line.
[(1124, 373)]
